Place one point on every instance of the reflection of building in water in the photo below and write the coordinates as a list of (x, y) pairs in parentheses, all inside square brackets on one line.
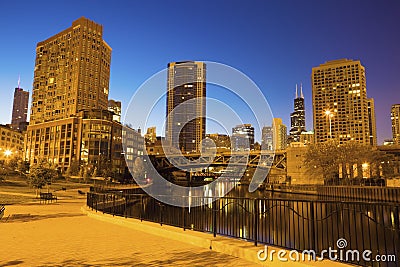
[(242, 137)]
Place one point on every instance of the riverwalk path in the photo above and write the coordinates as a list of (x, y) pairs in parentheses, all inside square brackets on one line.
[(60, 234)]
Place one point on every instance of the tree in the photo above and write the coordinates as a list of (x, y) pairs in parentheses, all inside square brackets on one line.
[(41, 174), (73, 169), (23, 166), (349, 160)]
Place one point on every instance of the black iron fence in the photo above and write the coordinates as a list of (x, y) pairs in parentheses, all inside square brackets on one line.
[(292, 224)]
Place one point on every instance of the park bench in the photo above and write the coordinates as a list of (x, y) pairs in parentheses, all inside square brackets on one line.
[(47, 197)]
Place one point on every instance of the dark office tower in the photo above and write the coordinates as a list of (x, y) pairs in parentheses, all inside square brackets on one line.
[(20, 109), (267, 139), (186, 105), (298, 117)]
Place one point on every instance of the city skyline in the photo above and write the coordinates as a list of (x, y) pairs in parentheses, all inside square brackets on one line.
[(276, 46)]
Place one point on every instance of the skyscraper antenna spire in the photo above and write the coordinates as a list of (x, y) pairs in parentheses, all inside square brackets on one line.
[(19, 80), (301, 90), (297, 95)]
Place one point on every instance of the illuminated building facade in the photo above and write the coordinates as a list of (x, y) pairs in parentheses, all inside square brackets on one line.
[(395, 117), (341, 108)]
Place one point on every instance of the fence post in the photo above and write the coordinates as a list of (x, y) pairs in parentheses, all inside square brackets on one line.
[(104, 202), (312, 220), (161, 206), (183, 219), (255, 221), (214, 211), (126, 206), (113, 212), (141, 208)]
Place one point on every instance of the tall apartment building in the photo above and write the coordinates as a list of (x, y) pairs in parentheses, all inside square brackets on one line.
[(341, 108), (395, 117), (279, 134), (20, 109), (72, 72), (242, 137), (186, 105), (70, 120), (298, 117)]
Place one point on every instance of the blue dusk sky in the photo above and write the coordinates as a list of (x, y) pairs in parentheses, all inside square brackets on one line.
[(275, 43)]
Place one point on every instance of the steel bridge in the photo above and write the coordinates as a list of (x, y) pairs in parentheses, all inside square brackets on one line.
[(261, 159)]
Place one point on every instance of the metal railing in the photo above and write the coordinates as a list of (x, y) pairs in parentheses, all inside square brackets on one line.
[(292, 224)]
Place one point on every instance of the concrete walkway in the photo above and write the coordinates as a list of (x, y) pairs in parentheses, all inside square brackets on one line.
[(59, 234)]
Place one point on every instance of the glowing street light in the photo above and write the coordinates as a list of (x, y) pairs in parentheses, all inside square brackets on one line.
[(329, 115), (7, 153)]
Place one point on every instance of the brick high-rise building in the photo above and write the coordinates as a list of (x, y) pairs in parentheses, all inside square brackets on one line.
[(341, 108), (72, 72), (69, 117), (20, 109), (186, 125), (395, 117)]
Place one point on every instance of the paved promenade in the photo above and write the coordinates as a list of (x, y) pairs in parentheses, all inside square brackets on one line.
[(59, 234)]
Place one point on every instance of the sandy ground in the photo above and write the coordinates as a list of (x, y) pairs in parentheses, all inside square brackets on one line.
[(58, 234)]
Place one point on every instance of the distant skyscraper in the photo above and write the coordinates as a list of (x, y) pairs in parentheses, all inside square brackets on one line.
[(186, 124), (341, 108), (267, 139), (280, 134), (298, 117), (242, 137), (20, 109), (72, 72), (395, 117), (115, 107)]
